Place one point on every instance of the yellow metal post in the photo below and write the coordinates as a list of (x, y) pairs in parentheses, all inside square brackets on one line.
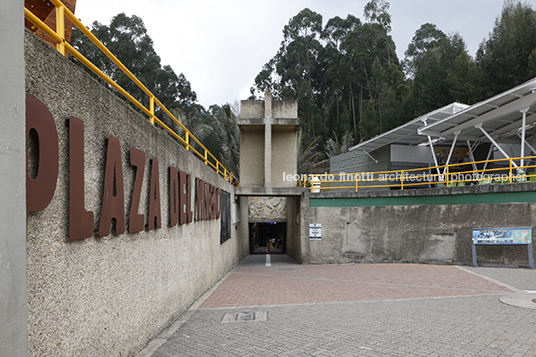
[(510, 160), (60, 28), (187, 140), (206, 157), (401, 179), (151, 109), (447, 184)]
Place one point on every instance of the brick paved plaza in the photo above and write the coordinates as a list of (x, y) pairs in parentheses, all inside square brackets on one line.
[(356, 310)]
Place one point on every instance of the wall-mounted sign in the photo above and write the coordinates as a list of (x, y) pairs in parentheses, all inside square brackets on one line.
[(502, 235), (42, 174), (315, 231)]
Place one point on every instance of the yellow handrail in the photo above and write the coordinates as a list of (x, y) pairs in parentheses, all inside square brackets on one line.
[(403, 179), (59, 37)]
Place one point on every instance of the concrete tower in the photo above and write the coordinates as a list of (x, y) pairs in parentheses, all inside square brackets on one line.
[(268, 144)]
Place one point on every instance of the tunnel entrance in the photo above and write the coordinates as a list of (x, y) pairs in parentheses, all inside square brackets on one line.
[(267, 237)]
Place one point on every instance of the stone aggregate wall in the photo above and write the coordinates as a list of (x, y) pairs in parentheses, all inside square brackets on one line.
[(108, 296), (420, 231)]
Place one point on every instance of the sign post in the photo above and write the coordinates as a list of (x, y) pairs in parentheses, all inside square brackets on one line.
[(503, 236)]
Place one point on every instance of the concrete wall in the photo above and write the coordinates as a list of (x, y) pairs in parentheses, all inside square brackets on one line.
[(13, 336), (252, 109), (285, 109), (108, 296), (284, 157), (293, 228), (426, 225), (282, 109), (252, 164)]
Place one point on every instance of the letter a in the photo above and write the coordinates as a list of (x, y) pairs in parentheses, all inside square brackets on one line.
[(136, 221), (113, 203), (155, 217)]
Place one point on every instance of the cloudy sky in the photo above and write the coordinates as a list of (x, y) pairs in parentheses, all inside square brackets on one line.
[(221, 46)]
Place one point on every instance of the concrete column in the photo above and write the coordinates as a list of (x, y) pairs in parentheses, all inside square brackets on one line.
[(13, 308), (268, 140)]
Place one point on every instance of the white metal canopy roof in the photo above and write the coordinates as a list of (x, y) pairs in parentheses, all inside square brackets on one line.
[(500, 116), (498, 120), (407, 134)]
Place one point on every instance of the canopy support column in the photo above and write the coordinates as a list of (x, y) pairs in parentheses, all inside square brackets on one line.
[(523, 125), (533, 151), (433, 154), (451, 150), (369, 155), (471, 156), (479, 126), (487, 157)]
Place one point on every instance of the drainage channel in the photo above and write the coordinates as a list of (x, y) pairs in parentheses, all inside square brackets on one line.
[(252, 316)]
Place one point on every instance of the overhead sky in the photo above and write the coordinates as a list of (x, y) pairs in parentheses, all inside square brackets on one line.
[(221, 46)]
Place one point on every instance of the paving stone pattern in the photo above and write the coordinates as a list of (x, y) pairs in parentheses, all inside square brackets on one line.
[(361, 310), (332, 283)]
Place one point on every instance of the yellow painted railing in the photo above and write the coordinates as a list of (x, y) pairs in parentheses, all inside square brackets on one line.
[(62, 46), (509, 170)]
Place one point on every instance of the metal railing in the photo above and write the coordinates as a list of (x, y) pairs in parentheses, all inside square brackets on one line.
[(508, 170), (62, 46)]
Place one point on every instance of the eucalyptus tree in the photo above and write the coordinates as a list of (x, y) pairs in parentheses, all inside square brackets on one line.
[(289, 74), (126, 37), (440, 69), (332, 72), (508, 57), (427, 37), (375, 71)]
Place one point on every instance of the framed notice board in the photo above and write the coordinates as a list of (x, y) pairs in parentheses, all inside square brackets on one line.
[(225, 218), (503, 236)]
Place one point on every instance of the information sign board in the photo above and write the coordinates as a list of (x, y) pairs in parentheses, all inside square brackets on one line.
[(315, 231), (502, 235)]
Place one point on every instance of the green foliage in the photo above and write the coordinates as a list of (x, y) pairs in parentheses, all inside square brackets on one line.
[(335, 147), (311, 160), (427, 37), (127, 38), (346, 77), (350, 84), (432, 70), (507, 58), (225, 126)]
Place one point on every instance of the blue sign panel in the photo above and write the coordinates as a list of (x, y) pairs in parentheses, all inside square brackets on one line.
[(502, 235)]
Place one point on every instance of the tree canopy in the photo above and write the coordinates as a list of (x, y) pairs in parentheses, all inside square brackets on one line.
[(126, 37), (345, 74), (350, 84)]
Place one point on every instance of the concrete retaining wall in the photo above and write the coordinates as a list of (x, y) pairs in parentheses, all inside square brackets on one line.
[(427, 225), (13, 341), (108, 296)]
